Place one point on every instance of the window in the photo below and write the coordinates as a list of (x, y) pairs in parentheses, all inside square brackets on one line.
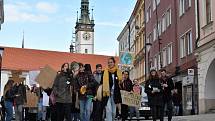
[(184, 5), (86, 50), (164, 54), (159, 27), (182, 47), (169, 54), (154, 33), (168, 17), (208, 11), (154, 4), (181, 7), (159, 61), (189, 43), (163, 23), (148, 14), (155, 62)]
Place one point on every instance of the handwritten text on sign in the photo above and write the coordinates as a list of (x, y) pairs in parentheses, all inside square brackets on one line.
[(130, 99)]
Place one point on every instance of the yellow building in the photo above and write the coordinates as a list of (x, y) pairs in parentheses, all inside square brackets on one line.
[(139, 51)]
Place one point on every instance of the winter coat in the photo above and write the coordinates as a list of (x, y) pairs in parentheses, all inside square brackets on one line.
[(21, 92), (157, 97), (167, 95), (127, 85), (117, 95), (62, 88), (85, 79)]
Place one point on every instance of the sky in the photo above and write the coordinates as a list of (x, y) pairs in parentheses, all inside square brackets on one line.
[(49, 24)]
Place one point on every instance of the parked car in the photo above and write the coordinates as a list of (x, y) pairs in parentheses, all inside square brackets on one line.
[(145, 110)]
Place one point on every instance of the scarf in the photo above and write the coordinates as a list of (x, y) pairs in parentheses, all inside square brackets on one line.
[(106, 86)]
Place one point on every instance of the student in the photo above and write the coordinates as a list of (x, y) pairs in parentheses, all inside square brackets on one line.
[(154, 92), (63, 94), (111, 79)]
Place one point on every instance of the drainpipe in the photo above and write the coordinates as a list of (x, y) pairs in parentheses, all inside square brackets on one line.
[(145, 47), (196, 46)]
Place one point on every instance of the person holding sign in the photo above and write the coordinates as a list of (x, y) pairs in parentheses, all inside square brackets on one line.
[(111, 79), (127, 86), (63, 94), (154, 92), (85, 85)]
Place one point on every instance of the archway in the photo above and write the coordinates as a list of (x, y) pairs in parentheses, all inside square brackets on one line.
[(210, 88)]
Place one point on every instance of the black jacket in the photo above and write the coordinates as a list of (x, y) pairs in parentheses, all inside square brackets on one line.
[(127, 85), (21, 92), (117, 95), (62, 89), (85, 79), (168, 90), (10, 95), (157, 97)]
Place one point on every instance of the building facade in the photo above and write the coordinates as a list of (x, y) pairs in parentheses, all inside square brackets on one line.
[(139, 51), (84, 30), (170, 42), (131, 40), (206, 56)]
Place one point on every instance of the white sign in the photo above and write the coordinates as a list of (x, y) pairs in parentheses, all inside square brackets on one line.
[(190, 72), (188, 80)]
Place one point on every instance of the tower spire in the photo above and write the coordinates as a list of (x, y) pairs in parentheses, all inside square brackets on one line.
[(23, 38), (77, 17), (92, 18), (85, 19)]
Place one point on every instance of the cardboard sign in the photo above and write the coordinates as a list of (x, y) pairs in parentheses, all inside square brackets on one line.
[(130, 99), (16, 76), (32, 99), (46, 77)]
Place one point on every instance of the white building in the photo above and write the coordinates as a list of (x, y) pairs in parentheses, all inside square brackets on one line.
[(206, 56)]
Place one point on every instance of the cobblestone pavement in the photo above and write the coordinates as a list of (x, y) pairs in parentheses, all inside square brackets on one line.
[(201, 117)]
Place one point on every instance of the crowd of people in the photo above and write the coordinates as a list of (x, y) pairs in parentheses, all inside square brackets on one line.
[(78, 94)]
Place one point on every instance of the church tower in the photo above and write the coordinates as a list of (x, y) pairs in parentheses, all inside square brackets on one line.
[(84, 30)]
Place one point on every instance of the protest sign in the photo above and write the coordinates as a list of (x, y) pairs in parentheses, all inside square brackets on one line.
[(130, 99)]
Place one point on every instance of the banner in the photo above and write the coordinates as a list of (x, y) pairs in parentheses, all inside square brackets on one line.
[(130, 99)]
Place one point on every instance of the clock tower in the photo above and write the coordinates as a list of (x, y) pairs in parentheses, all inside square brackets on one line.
[(84, 30)]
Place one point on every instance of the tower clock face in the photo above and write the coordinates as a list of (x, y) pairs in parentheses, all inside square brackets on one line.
[(86, 35)]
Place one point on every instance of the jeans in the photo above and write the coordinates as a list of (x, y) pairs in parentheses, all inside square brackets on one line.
[(176, 110), (9, 110), (18, 112), (110, 109), (134, 110), (85, 109), (40, 109)]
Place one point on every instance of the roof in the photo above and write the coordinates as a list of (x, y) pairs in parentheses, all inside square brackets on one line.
[(31, 59)]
